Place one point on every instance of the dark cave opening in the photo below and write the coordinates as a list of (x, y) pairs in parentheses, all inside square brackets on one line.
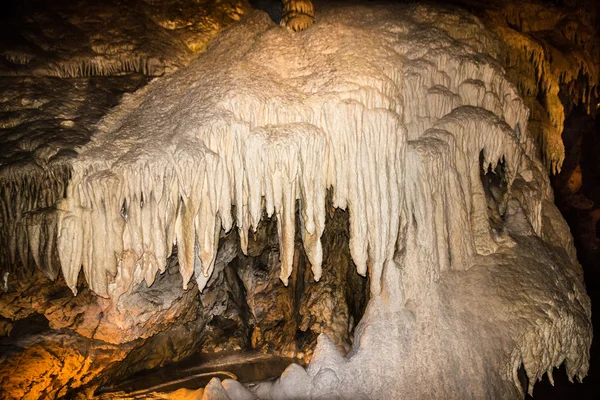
[(495, 187), (272, 7)]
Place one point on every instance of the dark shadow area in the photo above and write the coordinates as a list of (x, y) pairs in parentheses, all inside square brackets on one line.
[(495, 187), (577, 195), (35, 324), (272, 7)]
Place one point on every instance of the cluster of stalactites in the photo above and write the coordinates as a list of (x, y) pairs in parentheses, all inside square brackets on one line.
[(445, 197), (477, 131), (106, 66), (543, 64), (227, 156), (120, 225), (543, 350), (28, 219), (436, 82)]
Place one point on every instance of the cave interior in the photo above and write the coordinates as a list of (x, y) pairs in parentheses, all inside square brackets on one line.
[(232, 199)]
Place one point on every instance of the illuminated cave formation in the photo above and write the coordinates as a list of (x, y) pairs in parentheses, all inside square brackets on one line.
[(368, 196)]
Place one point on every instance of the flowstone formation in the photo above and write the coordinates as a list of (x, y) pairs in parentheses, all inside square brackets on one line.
[(383, 154)]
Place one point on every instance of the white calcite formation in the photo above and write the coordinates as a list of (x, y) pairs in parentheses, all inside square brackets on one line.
[(471, 274)]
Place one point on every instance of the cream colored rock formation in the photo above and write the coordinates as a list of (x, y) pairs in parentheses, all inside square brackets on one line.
[(402, 122)]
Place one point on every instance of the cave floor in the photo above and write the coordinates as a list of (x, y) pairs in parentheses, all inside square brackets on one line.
[(196, 371)]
